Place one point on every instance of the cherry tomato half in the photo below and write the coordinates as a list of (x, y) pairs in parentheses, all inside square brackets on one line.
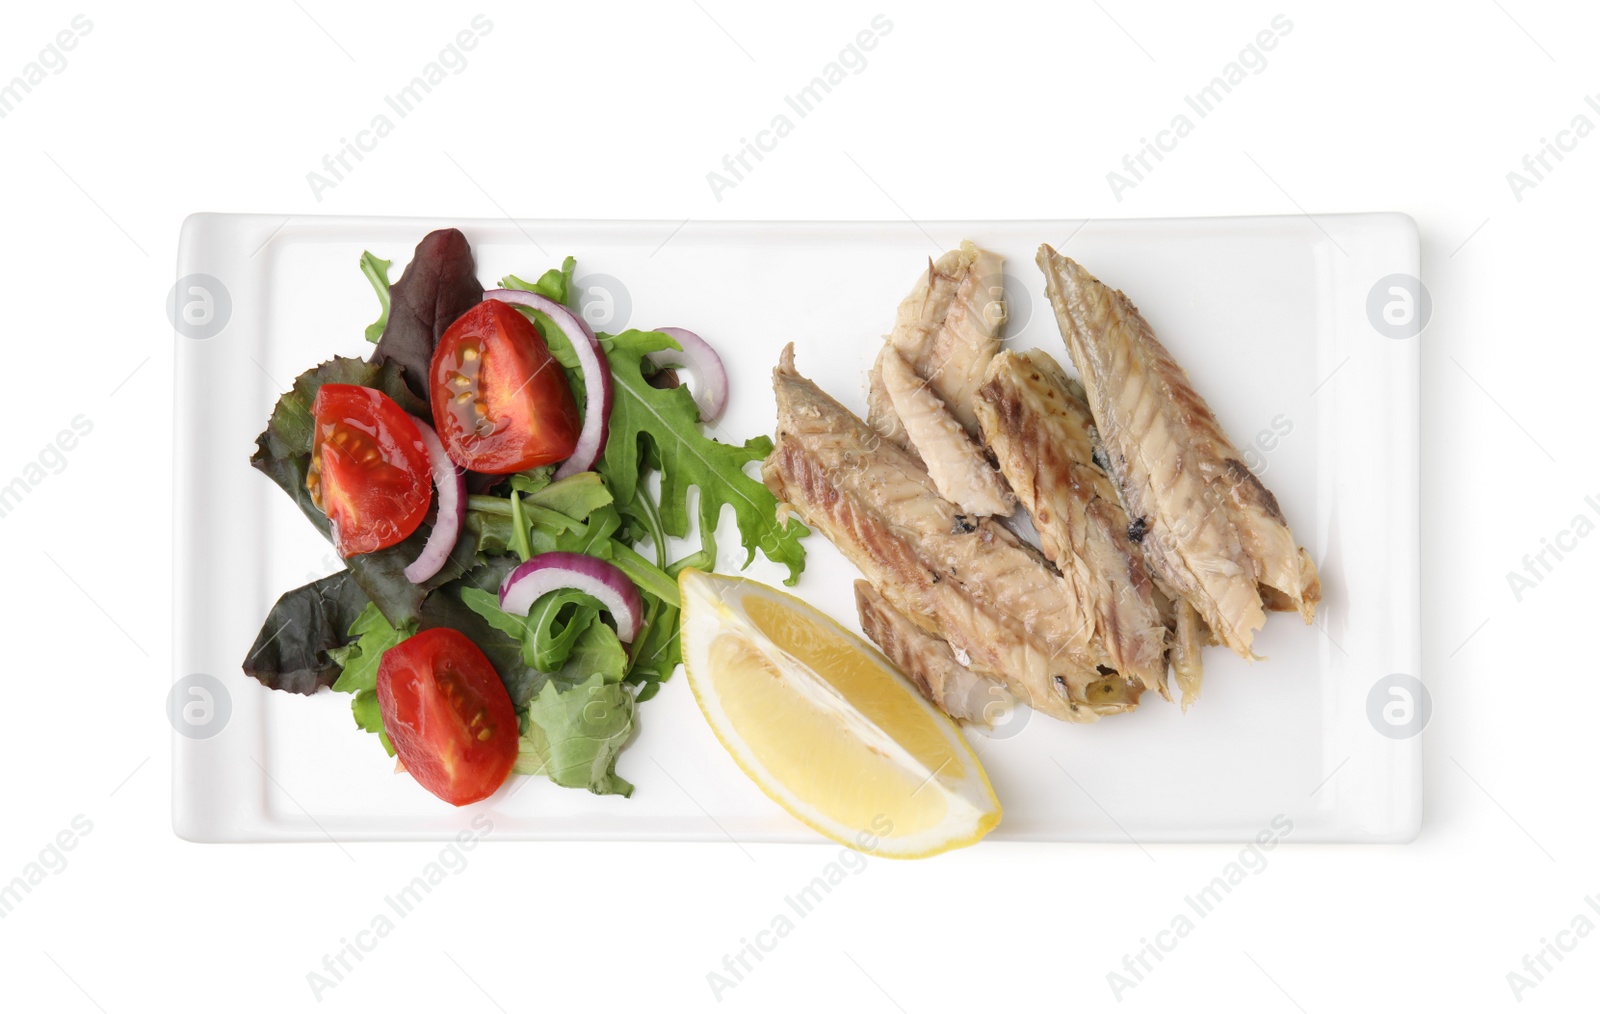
[(369, 469), (500, 400), (448, 715)]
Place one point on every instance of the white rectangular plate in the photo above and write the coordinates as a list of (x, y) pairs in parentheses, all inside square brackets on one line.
[(1269, 315)]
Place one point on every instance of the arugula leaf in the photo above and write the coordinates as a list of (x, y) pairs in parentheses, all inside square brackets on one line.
[(377, 271), (439, 285), (661, 428), (553, 628), (669, 422), (373, 637), (489, 527), (656, 652), (574, 735), (487, 605), (594, 538), (296, 649), (554, 517), (548, 634), (642, 509), (576, 496), (283, 453), (650, 579), (556, 621), (369, 718), (597, 651), (533, 480), (519, 529), (555, 284)]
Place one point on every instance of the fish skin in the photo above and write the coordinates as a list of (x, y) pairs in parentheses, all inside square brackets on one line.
[(1214, 534), (954, 460), (947, 329), (928, 661), (1034, 418), (966, 580)]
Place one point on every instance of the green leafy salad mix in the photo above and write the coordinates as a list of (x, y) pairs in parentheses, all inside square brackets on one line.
[(575, 683)]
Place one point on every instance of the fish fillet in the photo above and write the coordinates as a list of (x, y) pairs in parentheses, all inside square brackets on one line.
[(1211, 531), (1188, 637), (954, 460), (947, 329), (966, 580), (1035, 419), (929, 662)]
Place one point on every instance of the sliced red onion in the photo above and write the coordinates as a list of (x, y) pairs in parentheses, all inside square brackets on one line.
[(596, 375), (591, 575), (701, 360), (447, 479)]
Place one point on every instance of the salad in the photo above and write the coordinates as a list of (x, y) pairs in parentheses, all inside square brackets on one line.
[(487, 475)]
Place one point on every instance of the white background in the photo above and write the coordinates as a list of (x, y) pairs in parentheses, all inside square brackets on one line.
[(963, 111)]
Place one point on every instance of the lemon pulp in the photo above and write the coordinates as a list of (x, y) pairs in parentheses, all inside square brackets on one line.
[(826, 726)]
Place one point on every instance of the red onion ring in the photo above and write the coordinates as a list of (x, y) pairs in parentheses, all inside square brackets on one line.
[(447, 479), (591, 575), (700, 359), (596, 375)]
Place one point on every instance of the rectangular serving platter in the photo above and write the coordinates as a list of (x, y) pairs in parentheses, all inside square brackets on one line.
[(1269, 315)]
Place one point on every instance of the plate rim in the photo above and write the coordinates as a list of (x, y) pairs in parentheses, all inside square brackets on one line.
[(257, 824)]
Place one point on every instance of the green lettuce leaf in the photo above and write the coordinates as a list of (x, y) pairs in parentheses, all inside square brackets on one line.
[(574, 735), (377, 271)]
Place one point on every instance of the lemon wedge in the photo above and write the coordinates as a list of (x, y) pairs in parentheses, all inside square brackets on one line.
[(826, 726)]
